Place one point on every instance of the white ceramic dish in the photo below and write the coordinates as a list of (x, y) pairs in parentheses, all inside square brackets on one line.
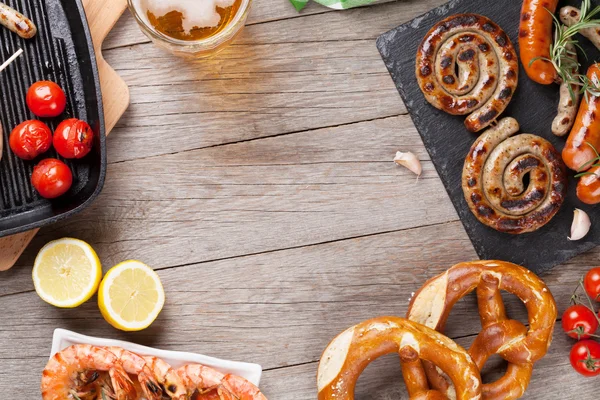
[(63, 338)]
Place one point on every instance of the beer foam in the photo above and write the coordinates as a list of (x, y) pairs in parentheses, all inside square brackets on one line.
[(196, 13)]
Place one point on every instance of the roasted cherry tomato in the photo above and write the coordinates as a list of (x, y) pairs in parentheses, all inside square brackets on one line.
[(30, 139), (591, 283), (585, 357), (73, 138), (579, 322), (51, 178), (46, 99)]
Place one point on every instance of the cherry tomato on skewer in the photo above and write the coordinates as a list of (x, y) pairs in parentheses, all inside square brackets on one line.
[(46, 99), (585, 357), (30, 139), (73, 138), (51, 178)]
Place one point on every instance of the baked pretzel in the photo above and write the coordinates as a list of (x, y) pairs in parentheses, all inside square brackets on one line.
[(517, 344), (351, 351), (493, 173), (487, 67)]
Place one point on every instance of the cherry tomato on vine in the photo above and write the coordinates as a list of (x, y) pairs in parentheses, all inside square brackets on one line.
[(591, 283), (30, 139), (51, 178), (585, 357), (46, 99), (579, 322), (73, 138)]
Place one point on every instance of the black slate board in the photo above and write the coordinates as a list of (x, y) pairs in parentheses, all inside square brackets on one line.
[(448, 141)]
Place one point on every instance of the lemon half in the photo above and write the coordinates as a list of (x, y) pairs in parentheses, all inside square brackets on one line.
[(131, 296), (66, 272)]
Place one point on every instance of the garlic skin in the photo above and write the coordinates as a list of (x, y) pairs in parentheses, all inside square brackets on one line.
[(410, 161), (581, 225)]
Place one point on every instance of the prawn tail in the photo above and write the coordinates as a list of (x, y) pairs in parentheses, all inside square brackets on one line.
[(121, 382), (150, 386)]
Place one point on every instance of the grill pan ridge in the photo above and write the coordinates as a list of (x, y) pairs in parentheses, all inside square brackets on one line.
[(62, 51)]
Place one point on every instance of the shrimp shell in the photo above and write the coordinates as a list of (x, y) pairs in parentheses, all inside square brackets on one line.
[(211, 384), (167, 377), (78, 366), (136, 365)]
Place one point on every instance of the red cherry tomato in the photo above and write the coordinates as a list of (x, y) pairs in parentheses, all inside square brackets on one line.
[(51, 178), (579, 322), (591, 283), (73, 138), (585, 357), (30, 139), (46, 99)]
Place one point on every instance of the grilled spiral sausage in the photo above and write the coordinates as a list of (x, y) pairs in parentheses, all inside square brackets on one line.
[(487, 68), (493, 175), (16, 22), (535, 38), (585, 135)]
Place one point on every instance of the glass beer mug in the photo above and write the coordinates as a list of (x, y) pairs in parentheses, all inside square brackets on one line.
[(191, 28)]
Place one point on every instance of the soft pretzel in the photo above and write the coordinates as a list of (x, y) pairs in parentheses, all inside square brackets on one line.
[(486, 62), (513, 341), (351, 351)]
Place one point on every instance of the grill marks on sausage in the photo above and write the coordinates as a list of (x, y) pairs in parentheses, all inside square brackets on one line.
[(465, 41), (466, 55), (491, 179), (505, 93)]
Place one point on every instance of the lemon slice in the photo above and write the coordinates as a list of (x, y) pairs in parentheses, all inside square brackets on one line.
[(131, 296), (66, 272)]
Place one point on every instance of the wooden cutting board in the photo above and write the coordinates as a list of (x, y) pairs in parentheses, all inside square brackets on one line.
[(102, 16)]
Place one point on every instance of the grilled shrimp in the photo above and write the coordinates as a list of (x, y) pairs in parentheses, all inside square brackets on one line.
[(209, 384), (144, 381), (169, 381), (78, 372)]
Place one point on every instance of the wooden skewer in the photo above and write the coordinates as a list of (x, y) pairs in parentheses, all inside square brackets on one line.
[(11, 59), (2, 67)]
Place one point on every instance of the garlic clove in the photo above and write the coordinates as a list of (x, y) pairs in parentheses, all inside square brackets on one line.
[(410, 161), (581, 225)]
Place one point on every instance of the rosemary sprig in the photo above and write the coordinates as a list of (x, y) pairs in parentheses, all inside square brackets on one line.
[(563, 55)]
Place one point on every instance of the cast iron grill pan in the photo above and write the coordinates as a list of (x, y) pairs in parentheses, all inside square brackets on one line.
[(62, 52)]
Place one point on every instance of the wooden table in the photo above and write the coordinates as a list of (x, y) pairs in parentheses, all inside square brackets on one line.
[(260, 186)]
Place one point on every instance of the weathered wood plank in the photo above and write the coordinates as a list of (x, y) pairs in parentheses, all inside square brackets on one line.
[(280, 77), (284, 88), (282, 308), (375, 19), (258, 196)]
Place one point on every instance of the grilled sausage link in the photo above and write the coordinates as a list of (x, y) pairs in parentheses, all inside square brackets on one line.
[(17, 22), (588, 187), (585, 135), (535, 37), (570, 16), (569, 100), (493, 175), (487, 67)]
